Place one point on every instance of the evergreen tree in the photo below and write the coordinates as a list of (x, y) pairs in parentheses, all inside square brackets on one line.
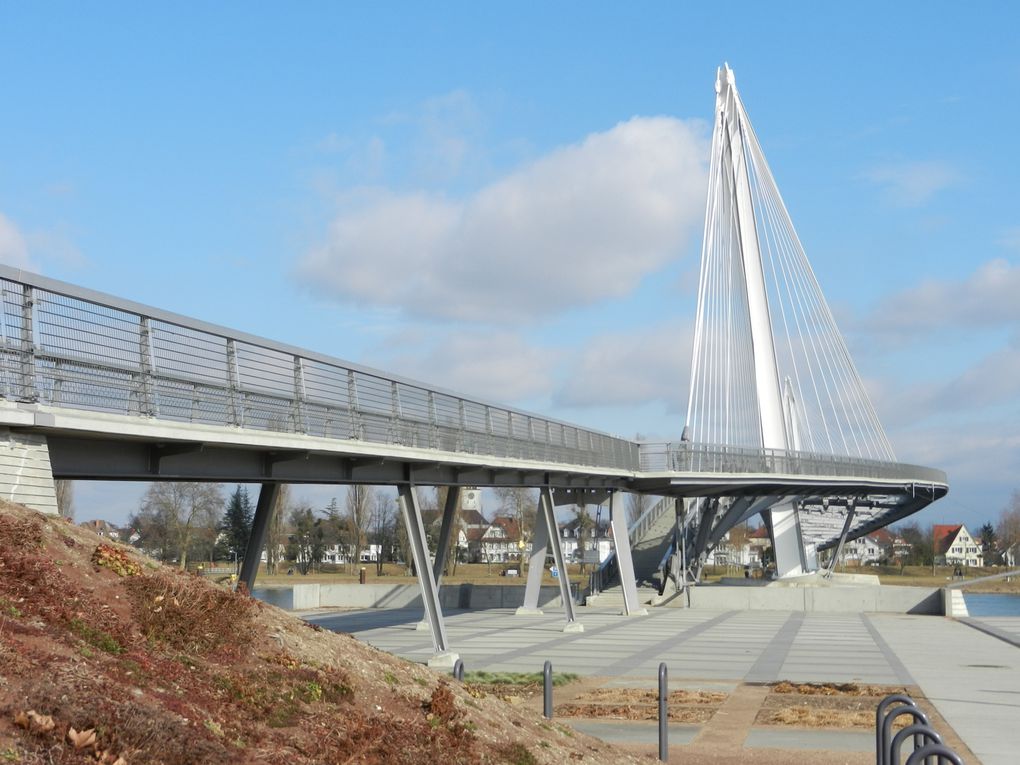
[(236, 525)]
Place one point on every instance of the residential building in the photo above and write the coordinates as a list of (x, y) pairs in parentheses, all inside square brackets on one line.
[(598, 544), (954, 546), (864, 551), (103, 529), (497, 542)]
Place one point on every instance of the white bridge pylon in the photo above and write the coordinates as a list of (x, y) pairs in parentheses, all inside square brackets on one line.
[(770, 368)]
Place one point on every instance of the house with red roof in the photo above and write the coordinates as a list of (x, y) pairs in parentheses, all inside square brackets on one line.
[(954, 546)]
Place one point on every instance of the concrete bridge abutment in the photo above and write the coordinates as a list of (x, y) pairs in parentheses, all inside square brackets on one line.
[(26, 476)]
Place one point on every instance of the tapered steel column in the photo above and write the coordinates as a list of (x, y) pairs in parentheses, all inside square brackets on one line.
[(536, 564), (850, 511), (624, 560), (408, 499), (445, 533), (546, 533), (264, 509)]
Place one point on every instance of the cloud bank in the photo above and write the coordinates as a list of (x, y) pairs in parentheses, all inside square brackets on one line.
[(582, 224)]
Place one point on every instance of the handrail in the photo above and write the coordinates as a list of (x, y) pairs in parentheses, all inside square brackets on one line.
[(67, 346), (689, 457)]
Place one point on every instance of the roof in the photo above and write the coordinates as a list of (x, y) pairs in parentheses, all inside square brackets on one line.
[(472, 518), (882, 537), (944, 536), (509, 526), (99, 526)]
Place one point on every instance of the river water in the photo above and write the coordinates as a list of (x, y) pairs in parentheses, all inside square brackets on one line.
[(997, 604)]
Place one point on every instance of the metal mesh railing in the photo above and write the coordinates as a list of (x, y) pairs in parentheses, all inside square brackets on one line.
[(687, 457), (66, 346), (71, 347)]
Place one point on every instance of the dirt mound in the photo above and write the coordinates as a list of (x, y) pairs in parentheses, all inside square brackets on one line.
[(108, 657)]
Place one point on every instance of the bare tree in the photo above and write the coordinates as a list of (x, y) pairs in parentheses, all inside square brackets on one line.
[(585, 528), (520, 504), (360, 505), (276, 534), (383, 525), (65, 498), (175, 514), (1008, 527)]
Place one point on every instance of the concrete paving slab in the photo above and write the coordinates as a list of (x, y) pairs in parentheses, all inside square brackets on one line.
[(972, 678), (800, 738), (631, 732)]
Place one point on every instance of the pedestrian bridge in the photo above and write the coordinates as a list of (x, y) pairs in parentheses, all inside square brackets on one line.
[(122, 391), (779, 423)]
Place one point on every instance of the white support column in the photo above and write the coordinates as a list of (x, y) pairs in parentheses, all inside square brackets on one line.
[(787, 542), (624, 561), (766, 375), (408, 498)]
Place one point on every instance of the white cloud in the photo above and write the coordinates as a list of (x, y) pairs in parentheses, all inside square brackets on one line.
[(501, 367), (13, 248), (584, 223), (635, 368), (911, 184), (986, 298)]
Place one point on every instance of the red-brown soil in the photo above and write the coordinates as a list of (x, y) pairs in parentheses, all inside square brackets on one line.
[(108, 657)]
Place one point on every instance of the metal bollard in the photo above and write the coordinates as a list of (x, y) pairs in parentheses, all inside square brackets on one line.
[(458, 671), (547, 690), (880, 748), (663, 713), (919, 732), (943, 752)]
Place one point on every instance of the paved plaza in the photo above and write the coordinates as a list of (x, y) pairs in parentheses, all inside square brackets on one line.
[(971, 677)]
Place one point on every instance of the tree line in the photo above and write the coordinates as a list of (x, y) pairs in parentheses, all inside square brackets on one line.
[(180, 521)]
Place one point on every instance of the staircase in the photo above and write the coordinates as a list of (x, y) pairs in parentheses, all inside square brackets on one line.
[(650, 537)]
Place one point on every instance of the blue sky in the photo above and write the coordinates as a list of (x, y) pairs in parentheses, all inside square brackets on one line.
[(507, 199)]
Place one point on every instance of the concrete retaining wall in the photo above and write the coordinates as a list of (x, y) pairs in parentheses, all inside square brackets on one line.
[(304, 597), (881, 599)]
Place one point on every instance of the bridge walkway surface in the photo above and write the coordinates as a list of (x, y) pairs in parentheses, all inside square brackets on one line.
[(971, 678)]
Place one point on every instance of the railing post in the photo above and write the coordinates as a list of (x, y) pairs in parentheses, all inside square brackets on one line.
[(394, 411), (352, 405), (28, 390), (145, 404), (233, 385), (462, 426), (433, 421), (300, 426)]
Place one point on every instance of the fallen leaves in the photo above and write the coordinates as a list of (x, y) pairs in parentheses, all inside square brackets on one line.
[(34, 722), (116, 560), (82, 739)]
